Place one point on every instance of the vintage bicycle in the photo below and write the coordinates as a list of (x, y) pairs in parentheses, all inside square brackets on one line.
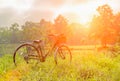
[(36, 50)]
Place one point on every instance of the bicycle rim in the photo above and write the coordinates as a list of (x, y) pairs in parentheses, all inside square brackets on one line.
[(25, 53), (63, 55)]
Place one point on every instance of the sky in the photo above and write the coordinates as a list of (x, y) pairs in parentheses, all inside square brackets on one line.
[(80, 11)]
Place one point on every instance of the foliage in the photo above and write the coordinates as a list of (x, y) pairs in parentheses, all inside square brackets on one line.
[(103, 26), (86, 66), (61, 26)]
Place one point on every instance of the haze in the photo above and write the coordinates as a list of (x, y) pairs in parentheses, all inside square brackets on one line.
[(33, 10)]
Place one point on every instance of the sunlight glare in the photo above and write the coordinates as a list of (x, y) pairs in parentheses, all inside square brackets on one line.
[(84, 11)]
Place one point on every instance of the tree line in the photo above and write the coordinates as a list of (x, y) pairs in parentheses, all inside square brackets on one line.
[(104, 29)]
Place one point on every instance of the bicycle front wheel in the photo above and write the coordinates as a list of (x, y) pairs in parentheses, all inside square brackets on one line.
[(63, 55), (25, 53)]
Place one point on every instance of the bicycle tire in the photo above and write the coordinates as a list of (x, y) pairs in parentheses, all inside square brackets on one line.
[(62, 50), (38, 52)]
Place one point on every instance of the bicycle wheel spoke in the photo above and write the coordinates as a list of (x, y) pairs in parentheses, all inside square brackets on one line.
[(25, 53)]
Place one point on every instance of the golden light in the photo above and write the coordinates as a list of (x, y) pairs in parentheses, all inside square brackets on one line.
[(83, 12)]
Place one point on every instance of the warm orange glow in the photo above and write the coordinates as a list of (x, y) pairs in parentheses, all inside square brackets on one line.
[(82, 12)]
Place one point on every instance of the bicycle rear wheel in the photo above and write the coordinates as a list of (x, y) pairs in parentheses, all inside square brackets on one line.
[(63, 55), (25, 53)]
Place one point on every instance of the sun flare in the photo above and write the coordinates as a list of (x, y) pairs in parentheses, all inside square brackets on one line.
[(83, 12)]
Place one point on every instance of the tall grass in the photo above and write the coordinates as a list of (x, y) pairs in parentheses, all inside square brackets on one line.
[(86, 66)]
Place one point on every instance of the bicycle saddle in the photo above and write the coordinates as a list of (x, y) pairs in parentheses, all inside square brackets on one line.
[(37, 41)]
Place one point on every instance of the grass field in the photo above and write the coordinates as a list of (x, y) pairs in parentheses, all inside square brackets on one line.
[(87, 65)]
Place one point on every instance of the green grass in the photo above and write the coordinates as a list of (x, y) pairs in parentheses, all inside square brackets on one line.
[(6, 63), (86, 66)]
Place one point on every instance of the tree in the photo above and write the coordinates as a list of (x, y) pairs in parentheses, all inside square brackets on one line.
[(4, 35), (117, 22), (61, 26), (33, 31), (46, 26), (102, 27), (14, 32), (30, 31), (117, 26)]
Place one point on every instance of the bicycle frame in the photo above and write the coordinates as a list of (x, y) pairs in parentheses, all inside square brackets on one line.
[(55, 45)]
